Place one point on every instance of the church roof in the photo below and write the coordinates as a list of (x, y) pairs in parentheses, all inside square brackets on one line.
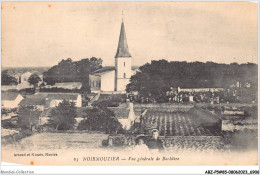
[(103, 70), (122, 49), (107, 69), (135, 67)]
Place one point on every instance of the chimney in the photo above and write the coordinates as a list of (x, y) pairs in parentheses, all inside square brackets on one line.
[(128, 103)]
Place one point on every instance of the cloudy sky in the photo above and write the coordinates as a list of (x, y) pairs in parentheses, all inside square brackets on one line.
[(43, 33)]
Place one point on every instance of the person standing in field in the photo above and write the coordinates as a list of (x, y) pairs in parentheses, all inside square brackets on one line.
[(141, 148), (154, 144)]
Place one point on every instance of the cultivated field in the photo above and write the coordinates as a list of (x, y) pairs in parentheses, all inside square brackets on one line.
[(177, 124)]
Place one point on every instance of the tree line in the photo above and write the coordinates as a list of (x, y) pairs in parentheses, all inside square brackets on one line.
[(73, 71), (7, 79), (157, 77), (66, 70)]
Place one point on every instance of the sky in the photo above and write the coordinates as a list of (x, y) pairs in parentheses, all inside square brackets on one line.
[(38, 34)]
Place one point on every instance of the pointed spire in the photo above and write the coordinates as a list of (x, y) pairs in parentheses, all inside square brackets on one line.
[(122, 16), (122, 49)]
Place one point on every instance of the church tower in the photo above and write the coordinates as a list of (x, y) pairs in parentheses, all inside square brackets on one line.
[(123, 62)]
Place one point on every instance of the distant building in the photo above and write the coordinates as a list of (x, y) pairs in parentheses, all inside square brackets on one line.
[(10, 99), (65, 85), (22, 79), (50, 100), (115, 78), (17, 76), (25, 77), (69, 85), (200, 89)]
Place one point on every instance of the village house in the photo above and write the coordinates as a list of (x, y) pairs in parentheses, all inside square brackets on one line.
[(66, 85), (17, 76), (125, 115), (10, 99), (22, 77), (50, 100)]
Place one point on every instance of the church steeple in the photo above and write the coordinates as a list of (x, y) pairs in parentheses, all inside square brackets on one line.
[(122, 48), (123, 62)]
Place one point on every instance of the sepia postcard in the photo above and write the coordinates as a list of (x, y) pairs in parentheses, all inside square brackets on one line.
[(129, 83)]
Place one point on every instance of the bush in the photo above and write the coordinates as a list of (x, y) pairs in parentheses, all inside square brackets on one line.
[(28, 117), (63, 116), (100, 119), (8, 124)]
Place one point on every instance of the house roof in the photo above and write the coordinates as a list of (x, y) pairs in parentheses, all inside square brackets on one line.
[(57, 96), (122, 48), (9, 95), (43, 98), (32, 101), (120, 112)]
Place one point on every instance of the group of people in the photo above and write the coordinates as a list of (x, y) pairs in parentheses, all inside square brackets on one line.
[(148, 146)]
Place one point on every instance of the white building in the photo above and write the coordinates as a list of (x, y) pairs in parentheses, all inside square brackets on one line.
[(114, 78), (10, 99)]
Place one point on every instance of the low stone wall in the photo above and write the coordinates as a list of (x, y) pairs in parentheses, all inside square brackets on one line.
[(171, 141), (121, 140)]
